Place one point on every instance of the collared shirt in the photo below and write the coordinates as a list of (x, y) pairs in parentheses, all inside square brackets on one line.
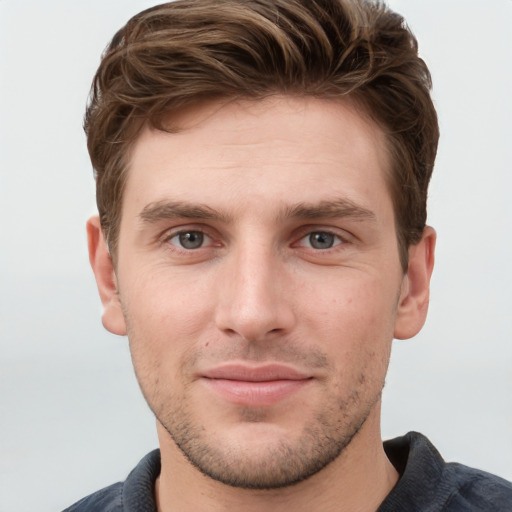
[(427, 484)]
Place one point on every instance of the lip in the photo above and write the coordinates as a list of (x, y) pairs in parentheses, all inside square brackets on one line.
[(259, 386)]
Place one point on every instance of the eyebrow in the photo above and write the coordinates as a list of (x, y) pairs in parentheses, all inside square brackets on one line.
[(164, 210), (339, 208)]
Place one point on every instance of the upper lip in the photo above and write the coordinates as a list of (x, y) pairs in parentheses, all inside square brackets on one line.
[(262, 373)]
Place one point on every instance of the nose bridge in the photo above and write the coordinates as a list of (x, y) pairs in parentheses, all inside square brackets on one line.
[(253, 300)]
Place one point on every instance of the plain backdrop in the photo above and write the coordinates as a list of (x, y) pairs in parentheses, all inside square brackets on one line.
[(71, 416)]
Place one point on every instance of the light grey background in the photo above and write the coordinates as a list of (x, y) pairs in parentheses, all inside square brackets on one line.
[(71, 416)]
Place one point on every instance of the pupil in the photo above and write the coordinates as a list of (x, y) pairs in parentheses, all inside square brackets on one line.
[(321, 240), (191, 239)]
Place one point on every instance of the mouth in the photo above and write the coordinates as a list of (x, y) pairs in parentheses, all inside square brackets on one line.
[(260, 386)]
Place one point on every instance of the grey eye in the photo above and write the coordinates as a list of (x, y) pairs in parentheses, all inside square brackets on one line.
[(191, 239), (322, 240)]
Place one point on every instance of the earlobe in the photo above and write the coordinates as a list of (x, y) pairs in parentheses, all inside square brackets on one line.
[(414, 296), (103, 268)]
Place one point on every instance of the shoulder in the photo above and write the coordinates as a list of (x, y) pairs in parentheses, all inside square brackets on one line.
[(135, 493), (476, 490), (108, 499), (428, 483)]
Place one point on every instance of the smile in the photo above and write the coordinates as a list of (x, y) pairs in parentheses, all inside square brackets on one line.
[(255, 387)]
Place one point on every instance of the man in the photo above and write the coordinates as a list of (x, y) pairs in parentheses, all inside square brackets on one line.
[(262, 170)]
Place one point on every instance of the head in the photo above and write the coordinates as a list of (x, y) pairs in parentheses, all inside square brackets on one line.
[(262, 169), (178, 54)]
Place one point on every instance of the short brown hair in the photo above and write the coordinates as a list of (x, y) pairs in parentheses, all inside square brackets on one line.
[(181, 52)]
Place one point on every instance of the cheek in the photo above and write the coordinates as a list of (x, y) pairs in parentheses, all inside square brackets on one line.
[(166, 320), (354, 321), (353, 308), (168, 305)]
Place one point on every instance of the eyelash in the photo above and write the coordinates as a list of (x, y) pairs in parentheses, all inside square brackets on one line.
[(169, 236), (337, 239), (304, 236)]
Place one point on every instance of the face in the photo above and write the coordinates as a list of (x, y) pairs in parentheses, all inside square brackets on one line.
[(260, 284)]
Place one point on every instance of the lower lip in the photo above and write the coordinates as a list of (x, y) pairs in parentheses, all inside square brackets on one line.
[(255, 394)]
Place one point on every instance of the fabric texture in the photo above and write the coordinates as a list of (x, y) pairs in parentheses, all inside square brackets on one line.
[(429, 484), (426, 484), (135, 494)]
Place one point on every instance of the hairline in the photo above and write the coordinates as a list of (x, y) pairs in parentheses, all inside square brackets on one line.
[(353, 100)]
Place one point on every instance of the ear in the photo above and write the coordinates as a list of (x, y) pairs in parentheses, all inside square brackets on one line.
[(103, 268), (414, 296)]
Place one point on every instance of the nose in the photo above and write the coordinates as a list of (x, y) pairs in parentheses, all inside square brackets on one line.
[(255, 299)]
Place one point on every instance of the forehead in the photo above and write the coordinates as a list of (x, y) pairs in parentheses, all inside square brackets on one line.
[(279, 147)]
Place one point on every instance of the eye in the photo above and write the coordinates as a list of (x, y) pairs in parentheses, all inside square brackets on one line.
[(321, 240), (190, 240)]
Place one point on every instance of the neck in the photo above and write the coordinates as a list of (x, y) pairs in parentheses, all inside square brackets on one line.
[(357, 481)]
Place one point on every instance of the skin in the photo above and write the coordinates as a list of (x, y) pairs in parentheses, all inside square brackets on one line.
[(262, 236)]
